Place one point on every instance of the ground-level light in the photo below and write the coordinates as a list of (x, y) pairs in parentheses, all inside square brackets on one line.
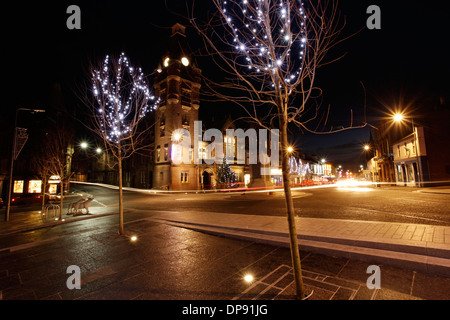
[(248, 278)]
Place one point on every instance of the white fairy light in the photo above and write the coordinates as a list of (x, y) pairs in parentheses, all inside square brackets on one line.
[(265, 50), (122, 100)]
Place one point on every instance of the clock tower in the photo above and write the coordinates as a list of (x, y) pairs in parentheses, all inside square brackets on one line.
[(177, 83)]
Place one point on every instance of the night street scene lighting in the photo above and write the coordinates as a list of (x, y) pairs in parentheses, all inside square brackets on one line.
[(201, 154)]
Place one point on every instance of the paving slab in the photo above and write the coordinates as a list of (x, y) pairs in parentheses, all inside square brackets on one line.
[(348, 238)]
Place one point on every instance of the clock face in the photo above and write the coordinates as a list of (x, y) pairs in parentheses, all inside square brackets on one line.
[(166, 62), (185, 61)]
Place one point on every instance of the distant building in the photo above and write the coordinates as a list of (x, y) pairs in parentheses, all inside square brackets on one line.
[(422, 158), (410, 159)]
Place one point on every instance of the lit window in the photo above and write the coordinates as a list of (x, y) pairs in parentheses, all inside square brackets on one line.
[(176, 153), (166, 152), (53, 188), (18, 186), (34, 186)]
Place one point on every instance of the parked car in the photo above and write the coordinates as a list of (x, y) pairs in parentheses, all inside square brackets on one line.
[(26, 199)]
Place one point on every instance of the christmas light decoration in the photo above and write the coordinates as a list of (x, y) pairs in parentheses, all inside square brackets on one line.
[(225, 175), (297, 167), (269, 36), (123, 97)]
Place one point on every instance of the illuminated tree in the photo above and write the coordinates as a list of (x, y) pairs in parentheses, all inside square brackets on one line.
[(225, 176), (270, 52), (119, 102)]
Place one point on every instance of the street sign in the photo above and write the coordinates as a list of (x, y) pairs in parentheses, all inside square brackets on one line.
[(21, 136)]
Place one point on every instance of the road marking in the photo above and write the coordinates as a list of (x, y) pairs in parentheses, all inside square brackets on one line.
[(102, 204)]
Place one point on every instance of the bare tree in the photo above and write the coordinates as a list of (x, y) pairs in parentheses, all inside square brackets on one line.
[(42, 165), (57, 155), (118, 100), (270, 52)]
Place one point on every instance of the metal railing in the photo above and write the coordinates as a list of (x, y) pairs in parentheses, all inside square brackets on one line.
[(51, 211)]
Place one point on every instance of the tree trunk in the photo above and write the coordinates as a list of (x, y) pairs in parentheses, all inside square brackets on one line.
[(295, 253), (44, 188), (61, 200), (119, 158)]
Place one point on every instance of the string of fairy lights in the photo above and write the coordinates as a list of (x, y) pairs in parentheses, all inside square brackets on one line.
[(123, 97), (270, 36), (298, 167)]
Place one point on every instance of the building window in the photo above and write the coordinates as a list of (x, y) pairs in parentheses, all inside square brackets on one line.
[(184, 177), (158, 154), (18, 186), (202, 153), (166, 152), (53, 188), (34, 186)]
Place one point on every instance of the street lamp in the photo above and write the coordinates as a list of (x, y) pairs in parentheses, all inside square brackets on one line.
[(290, 149), (398, 117), (14, 157), (83, 145), (366, 147)]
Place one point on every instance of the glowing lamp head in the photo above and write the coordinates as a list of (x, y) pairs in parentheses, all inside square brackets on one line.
[(166, 62), (98, 150), (83, 145), (185, 61), (248, 278), (176, 136), (366, 147), (290, 149), (398, 117)]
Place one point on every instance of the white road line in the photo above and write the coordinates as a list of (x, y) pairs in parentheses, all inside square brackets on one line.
[(102, 204)]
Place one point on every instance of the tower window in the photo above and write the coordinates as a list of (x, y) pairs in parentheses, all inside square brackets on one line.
[(166, 152), (185, 177)]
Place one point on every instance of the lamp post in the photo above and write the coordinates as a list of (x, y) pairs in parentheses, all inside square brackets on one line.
[(372, 165), (13, 157)]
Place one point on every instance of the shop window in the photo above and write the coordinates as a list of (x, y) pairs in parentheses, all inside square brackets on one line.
[(18, 186), (34, 186), (53, 188)]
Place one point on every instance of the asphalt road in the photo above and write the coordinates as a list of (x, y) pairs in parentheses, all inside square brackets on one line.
[(372, 204)]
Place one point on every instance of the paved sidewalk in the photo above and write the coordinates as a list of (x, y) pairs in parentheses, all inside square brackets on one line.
[(32, 220), (418, 247)]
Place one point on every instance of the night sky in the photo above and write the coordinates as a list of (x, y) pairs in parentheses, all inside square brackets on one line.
[(407, 59)]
